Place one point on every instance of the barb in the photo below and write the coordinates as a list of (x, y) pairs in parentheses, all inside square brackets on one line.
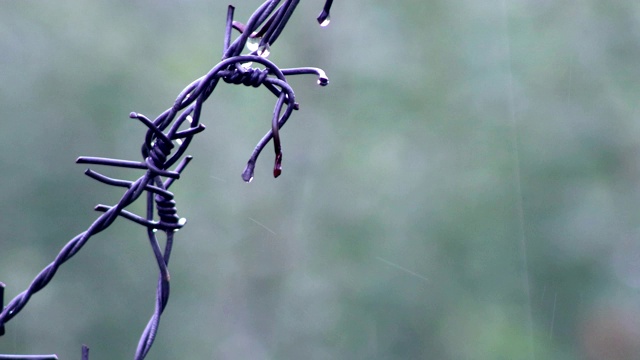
[(166, 140)]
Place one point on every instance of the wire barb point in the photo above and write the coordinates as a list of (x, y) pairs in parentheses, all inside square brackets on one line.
[(277, 166), (325, 17), (166, 140)]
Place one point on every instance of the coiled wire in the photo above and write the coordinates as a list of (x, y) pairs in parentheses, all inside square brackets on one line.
[(166, 140)]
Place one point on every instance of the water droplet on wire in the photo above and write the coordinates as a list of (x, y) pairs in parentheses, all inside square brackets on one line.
[(264, 51), (253, 43), (325, 22), (323, 80)]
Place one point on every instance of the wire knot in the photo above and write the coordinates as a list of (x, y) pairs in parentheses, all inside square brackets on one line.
[(168, 213), (157, 156), (165, 143), (246, 76)]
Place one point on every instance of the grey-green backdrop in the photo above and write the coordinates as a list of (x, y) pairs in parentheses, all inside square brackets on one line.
[(465, 188)]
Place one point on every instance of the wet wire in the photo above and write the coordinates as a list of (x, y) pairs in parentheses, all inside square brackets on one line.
[(166, 140)]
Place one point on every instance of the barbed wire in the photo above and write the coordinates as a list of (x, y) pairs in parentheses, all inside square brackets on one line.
[(166, 140)]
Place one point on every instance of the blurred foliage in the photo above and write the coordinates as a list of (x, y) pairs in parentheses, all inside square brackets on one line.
[(465, 188)]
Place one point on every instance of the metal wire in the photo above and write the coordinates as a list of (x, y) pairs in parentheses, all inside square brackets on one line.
[(166, 140)]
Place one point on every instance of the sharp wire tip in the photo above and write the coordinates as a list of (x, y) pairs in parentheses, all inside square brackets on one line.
[(167, 138)]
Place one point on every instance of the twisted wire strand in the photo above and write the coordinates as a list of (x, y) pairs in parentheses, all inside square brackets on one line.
[(166, 140)]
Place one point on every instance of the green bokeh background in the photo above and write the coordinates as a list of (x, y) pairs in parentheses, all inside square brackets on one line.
[(465, 188)]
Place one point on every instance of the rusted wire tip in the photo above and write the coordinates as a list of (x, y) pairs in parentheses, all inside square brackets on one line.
[(277, 167)]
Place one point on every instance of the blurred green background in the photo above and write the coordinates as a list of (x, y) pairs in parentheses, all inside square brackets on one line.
[(465, 188)]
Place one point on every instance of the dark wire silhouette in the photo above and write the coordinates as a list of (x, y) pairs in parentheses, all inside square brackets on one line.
[(166, 140)]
